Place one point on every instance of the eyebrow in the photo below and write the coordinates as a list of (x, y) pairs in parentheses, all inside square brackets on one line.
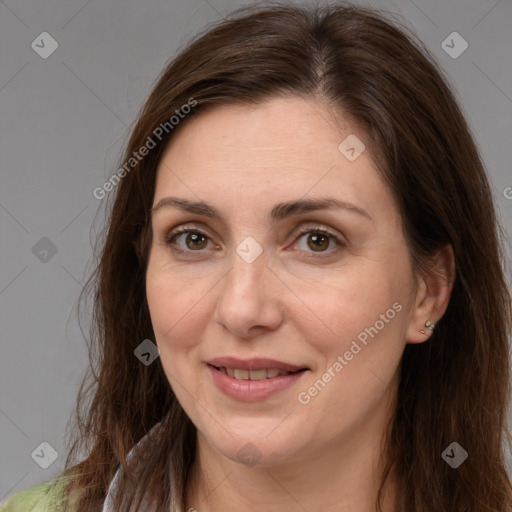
[(279, 212)]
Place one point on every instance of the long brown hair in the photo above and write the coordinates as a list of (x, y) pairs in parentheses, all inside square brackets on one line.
[(455, 387)]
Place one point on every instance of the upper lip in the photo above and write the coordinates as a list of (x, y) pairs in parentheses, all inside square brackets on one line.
[(253, 364)]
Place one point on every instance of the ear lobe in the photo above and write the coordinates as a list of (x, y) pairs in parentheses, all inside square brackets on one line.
[(433, 295)]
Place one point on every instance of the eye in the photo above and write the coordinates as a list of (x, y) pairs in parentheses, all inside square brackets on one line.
[(318, 241), (194, 240)]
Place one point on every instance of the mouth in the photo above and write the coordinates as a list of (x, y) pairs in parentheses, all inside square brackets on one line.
[(253, 369), (255, 379)]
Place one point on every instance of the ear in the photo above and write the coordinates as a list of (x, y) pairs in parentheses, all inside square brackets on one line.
[(432, 296)]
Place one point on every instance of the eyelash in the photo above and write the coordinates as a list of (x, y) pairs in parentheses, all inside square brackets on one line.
[(170, 238)]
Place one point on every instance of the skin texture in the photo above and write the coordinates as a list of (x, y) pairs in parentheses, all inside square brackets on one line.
[(287, 305)]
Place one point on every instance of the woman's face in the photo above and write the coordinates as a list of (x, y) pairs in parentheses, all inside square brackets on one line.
[(254, 280)]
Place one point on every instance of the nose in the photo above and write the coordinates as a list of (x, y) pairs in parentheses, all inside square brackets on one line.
[(249, 301)]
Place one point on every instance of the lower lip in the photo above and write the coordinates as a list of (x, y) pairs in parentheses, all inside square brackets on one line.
[(253, 390)]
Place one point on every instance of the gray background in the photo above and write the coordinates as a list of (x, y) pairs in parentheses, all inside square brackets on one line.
[(63, 121)]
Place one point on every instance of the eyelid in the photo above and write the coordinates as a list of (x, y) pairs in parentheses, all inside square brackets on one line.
[(317, 226)]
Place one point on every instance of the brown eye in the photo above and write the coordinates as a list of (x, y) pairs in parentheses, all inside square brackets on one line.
[(194, 240), (318, 242)]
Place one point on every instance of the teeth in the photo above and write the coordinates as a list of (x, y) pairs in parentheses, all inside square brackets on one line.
[(241, 374), (252, 374), (258, 374)]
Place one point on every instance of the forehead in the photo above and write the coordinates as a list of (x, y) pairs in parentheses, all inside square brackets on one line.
[(292, 127), (286, 147)]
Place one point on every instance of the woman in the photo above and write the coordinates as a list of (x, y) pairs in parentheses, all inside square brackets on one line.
[(300, 301)]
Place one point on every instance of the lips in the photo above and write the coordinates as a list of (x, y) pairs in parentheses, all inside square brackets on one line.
[(254, 379)]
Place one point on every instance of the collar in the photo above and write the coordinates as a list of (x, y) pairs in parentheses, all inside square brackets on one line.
[(137, 449)]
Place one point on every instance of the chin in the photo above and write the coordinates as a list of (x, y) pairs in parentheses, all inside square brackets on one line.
[(256, 449)]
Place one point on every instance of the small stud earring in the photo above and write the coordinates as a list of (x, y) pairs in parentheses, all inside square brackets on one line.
[(429, 325)]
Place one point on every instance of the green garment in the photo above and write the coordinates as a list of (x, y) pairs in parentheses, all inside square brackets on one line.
[(47, 496), (44, 497)]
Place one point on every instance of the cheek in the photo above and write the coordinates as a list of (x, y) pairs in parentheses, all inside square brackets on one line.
[(359, 355), (176, 307), (336, 310), (175, 317)]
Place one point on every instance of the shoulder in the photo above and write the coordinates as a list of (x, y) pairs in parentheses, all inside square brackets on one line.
[(43, 497)]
